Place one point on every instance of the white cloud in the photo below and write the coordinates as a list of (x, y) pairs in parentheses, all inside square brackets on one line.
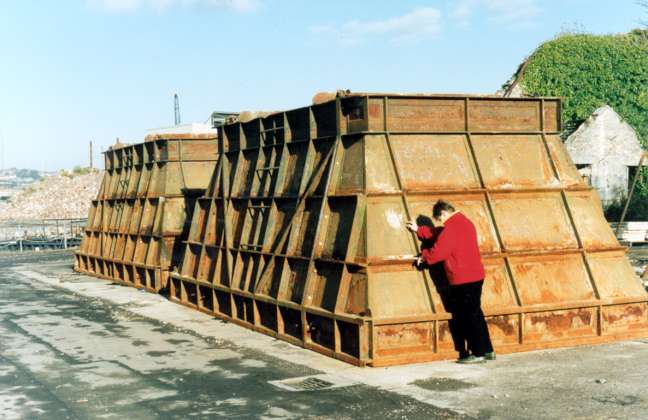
[(424, 22), (505, 11), (117, 6)]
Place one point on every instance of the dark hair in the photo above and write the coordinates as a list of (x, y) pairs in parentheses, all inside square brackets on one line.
[(440, 206)]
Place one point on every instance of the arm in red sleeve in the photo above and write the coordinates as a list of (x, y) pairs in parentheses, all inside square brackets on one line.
[(440, 251), (425, 233)]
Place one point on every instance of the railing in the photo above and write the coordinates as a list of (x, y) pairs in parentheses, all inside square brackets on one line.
[(41, 234)]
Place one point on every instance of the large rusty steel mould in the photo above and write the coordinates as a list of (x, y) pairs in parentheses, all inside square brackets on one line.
[(136, 225), (301, 234)]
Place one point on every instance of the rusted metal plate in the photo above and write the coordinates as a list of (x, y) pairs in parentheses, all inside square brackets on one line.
[(551, 279), (592, 227), (566, 169), (434, 162), (409, 286), (494, 115), (386, 218), (380, 172), (424, 114), (620, 319), (614, 276), (533, 221), (399, 339), (351, 156), (504, 330), (551, 115), (513, 161), (356, 302), (474, 206), (551, 326), (498, 292)]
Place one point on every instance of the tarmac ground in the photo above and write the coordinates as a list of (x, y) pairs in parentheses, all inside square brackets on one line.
[(73, 346)]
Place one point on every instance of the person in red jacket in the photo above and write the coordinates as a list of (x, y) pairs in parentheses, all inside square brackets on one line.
[(457, 247)]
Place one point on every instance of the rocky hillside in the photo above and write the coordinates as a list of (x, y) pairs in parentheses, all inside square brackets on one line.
[(61, 196)]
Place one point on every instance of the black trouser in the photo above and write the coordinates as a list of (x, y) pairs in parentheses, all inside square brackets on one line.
[(469, 318)]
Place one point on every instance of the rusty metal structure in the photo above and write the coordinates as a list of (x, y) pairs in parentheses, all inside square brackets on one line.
[(301, 233), (138, 221)]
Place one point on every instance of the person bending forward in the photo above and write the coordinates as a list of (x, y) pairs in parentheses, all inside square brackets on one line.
[(457, 246)]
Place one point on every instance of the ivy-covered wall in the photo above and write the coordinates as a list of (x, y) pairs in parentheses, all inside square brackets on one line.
[(588, 71)]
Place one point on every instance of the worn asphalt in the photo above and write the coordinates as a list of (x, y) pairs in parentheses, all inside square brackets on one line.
[(76, 347)]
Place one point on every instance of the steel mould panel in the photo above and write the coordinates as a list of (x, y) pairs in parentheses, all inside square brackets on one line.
[(551, 279), (434, 162), (614, 276), (567, 172), (396, 293), (423, 115), (499, 292), (588, 217), (380, 173), (474, 206), (493, 115), (533, 221), (387, 237), (513, 161)]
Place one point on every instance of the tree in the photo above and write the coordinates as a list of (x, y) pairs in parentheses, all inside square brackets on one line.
[(644, 4)]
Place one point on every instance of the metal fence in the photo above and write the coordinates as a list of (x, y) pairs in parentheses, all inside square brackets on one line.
[(35, 235)]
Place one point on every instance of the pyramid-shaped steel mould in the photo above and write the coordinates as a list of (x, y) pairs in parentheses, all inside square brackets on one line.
[(137, 223), (301, 233)]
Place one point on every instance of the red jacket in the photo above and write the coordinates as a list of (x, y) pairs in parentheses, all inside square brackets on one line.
[(456, 245)]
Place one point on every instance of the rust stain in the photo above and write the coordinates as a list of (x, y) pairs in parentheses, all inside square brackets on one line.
[(629, 312), (505, 324), (561, 321)]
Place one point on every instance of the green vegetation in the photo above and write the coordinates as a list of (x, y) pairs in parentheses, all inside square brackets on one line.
[(637, 210), (30, 189), (588, 71), (77, 170)]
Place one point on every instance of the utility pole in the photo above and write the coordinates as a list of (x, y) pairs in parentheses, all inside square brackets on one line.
[(90, 154), (2, 153), (176, 107)]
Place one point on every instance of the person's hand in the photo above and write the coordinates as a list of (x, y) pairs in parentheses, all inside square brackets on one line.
[(419, 262), (411, 225)]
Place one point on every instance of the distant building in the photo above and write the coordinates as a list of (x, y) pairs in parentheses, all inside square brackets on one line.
[(190, 128), (215, 120), (606, 151)]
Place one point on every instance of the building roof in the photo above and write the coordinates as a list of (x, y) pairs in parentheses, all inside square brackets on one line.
[(604, 137)]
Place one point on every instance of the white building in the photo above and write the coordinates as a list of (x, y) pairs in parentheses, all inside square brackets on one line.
[(606, 150)]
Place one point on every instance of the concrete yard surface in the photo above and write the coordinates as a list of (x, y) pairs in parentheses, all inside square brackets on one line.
[(74, 346)]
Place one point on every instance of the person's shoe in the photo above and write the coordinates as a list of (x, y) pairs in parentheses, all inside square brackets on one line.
[(469, 360), (490, 356)]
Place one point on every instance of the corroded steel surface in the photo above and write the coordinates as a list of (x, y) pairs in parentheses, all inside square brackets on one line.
[(301, 234), (136, 224)]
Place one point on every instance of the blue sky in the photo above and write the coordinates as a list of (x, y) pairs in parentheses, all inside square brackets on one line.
[(78, 70)]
